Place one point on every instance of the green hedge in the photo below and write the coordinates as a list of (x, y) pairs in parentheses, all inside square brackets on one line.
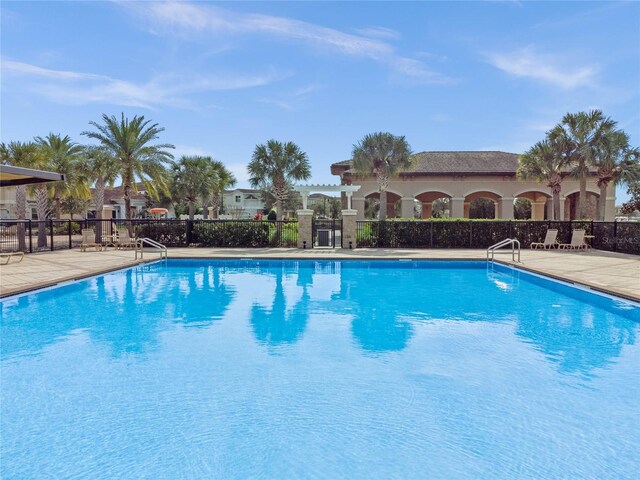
[(232, 234)]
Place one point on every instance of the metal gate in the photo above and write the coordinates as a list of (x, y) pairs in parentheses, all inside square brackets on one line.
[(327, 233)]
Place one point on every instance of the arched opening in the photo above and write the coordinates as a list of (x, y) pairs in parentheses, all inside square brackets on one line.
[(372, 205), (434, 205), (571, 206), (532, 205), (481, 205)]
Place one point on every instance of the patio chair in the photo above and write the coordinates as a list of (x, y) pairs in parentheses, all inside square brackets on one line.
[(550, 240), (577, 241), (89, 240), (5, 258), (125, 240)]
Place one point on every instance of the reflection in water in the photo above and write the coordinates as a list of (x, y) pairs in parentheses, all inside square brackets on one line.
[(128, 311), (280, 325)]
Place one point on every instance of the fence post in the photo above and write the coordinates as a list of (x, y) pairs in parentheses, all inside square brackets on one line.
[(51, 232), (189, 231), (30, 239), (615, 236), (69, 230)]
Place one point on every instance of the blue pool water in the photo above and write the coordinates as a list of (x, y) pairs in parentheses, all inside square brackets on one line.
[(317, 369)]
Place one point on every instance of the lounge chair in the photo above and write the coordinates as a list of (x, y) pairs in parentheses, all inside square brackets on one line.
[(550, 240), (6, 257), (89, 240), (577, 241), (125, 240)]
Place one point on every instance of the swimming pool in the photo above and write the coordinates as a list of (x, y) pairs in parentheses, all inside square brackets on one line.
[(319, 369)]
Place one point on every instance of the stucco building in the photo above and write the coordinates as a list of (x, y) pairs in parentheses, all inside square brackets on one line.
[(462, 177)]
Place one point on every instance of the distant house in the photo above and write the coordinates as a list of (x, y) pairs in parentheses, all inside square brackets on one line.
[(114, 202), (242, 203)]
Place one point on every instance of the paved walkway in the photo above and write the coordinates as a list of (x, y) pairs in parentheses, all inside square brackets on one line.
[(611, 272)]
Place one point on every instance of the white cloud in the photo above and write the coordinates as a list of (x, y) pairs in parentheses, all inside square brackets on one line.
[(78, 88), (188, 19), (527, 63), (379, 32)]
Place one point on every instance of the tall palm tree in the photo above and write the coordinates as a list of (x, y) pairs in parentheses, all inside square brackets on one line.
[(99, 167), (193, 179), (129, 141), (274, 166), (383, 155), (21, 154), (580, 135), (616, 162), (545, 163), (63, 156), (223, 179)]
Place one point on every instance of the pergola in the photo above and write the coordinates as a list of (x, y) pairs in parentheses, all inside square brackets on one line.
[(11, 176), (306, 190)]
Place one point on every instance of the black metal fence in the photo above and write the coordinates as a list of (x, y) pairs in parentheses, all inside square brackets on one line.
[(33, 236), (612, 236)]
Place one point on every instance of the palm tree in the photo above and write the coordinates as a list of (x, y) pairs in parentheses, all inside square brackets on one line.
[(193, 179), (223, 179), (544, 162), (274, 166), (99, 167), (383, 155), (580, 135), (616, 162), (21, 154), (129, 141), (63, 156)]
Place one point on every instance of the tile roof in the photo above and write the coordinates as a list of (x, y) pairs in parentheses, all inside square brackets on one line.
[(443, 163)]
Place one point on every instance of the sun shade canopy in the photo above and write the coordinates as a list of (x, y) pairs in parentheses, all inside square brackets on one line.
[(11, 176)]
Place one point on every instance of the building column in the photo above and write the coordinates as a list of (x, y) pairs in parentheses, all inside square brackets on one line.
[(305, 228), (561, 202), (537, 210), (505, 210), (427, 209), (407, 207), (457, 207), (466, 210), (610, 209), (349, 228), (358, 206)]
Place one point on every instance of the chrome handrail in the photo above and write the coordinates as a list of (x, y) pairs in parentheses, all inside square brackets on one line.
[(507, 241), (152, 243)]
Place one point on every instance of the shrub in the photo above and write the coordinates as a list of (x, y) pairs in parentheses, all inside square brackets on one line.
[(223, 233)]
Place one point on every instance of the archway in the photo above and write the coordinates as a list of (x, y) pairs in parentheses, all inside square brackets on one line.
[(393, 204), (434, 204), (540, 205), (571, 206), (483, 204)]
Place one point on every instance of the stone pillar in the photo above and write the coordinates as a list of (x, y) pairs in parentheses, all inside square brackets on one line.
[(358, 206), (427, 209), (457, 207), (561, 201), (349, 228), (209, 213), (505, 209), (305, 228), (537, 210), (407, 207), (106, 220), (610, 209), (466, 210)]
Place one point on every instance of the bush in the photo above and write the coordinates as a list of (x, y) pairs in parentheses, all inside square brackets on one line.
[(223, 233), (171, 234), (273, 216)]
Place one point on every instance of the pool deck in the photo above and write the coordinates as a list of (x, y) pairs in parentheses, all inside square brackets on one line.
[(614, 273)]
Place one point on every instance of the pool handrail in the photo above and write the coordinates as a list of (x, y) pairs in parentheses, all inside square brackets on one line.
[(152, 243), (507, 241)]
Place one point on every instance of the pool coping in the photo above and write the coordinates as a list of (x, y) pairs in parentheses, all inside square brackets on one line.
[(73, 278)]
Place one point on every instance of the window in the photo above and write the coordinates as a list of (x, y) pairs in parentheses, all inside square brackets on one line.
[(34, 214), (238, 198)]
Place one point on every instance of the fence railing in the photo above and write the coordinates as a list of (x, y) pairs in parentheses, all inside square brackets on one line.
[(621, 237), (32, 236)]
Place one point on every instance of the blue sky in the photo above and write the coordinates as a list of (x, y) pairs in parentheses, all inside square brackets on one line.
[(222, 77)]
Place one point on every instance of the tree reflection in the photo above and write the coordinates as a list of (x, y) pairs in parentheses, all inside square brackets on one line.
[(277, 325)]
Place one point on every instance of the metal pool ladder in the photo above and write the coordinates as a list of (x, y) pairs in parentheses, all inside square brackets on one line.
[(152, 243), (507, 241)]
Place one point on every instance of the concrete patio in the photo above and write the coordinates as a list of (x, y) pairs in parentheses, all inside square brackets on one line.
[(605, 271)]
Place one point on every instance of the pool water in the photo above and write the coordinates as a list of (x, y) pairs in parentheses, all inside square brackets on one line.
[(319, 369)]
